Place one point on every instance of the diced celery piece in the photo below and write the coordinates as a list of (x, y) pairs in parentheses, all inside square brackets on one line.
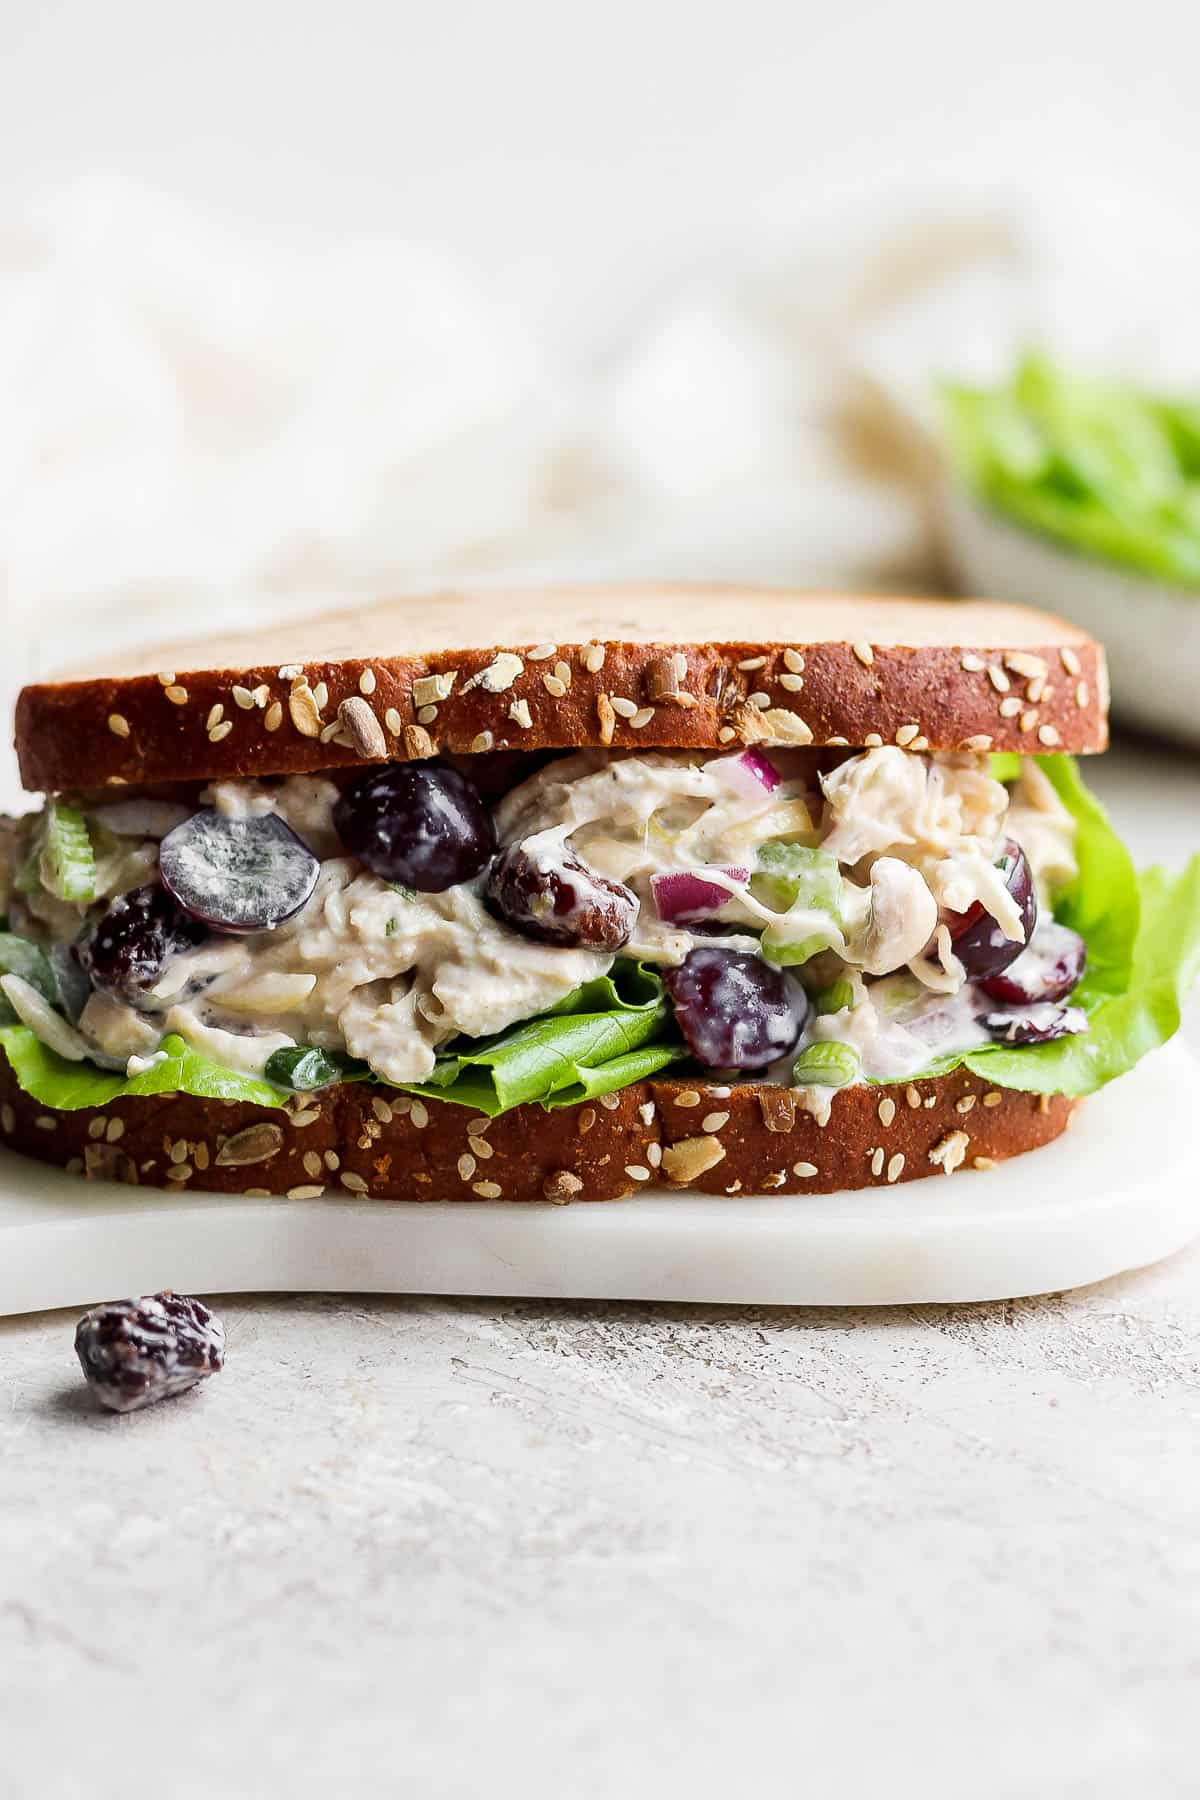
[(833, 999), (67, 864), (788, 952), (827, 1064), (793, 878), (787, 874)]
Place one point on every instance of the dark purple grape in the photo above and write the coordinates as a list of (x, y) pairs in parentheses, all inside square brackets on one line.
[(419, 823), (127, 948), (1039, 1024), (735, 1011), (134, 1352), (557, 900), (237, 874), (1049, 968), (978, 942)]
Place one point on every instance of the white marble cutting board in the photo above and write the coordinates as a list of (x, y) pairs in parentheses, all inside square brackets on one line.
[(1120, 1190)]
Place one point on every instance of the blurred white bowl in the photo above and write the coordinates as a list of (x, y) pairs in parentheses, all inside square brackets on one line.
[(1150, 629)]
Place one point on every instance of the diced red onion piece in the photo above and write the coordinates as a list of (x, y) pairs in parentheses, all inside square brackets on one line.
[(751, 773), (685, 895)]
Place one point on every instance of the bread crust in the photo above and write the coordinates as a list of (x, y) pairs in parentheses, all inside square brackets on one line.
[(637, 668), (358, 1140)]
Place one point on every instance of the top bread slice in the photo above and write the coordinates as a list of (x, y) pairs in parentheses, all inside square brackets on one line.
[(701, 668)]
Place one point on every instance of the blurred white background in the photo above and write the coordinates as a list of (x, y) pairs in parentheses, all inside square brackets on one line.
[(579, 157), (300, 303)]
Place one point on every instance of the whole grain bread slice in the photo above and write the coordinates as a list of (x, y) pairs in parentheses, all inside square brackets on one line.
[(706, 668), (357, 1140)]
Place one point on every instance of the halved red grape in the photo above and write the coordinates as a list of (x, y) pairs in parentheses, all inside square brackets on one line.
[(557, 900), (419, 823), (127, 948), (736, 1011), (978, 942), (1039, 1024), (1049, 968), (237, 875)]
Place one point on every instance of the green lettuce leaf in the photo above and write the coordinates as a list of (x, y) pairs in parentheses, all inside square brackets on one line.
[(598, 1038), (602, 1036), (66, 1086), (304, 1068), (1098, 466), (1103, 902), (628, 987), (1143, 940), (1123, 1026), (18, 956), (495, 1088)]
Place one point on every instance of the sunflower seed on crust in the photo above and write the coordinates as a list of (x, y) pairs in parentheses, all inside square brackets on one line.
[(257, 1143), (302, 708), (364, 729)]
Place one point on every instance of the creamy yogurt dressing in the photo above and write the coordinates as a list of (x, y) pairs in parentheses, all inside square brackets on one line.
[(1041, 824), (391, 976), (900, 1027)]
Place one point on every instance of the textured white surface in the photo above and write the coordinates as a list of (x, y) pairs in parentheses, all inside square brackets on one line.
[(1086, 1206), (441, 1548), (424, 1547)]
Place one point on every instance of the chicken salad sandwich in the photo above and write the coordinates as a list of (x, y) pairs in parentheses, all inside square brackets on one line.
[(556, 896)]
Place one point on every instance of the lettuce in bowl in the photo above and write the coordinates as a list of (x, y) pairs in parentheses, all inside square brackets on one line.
[(1103, 468)]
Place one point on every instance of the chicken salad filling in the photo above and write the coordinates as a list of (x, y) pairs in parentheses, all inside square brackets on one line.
[(815, 918)]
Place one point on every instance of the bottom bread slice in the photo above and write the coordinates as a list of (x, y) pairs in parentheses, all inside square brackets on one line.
[(363, 1140)]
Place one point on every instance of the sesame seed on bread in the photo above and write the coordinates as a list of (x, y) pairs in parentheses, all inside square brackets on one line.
[(355, 1140), (653, 667)]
